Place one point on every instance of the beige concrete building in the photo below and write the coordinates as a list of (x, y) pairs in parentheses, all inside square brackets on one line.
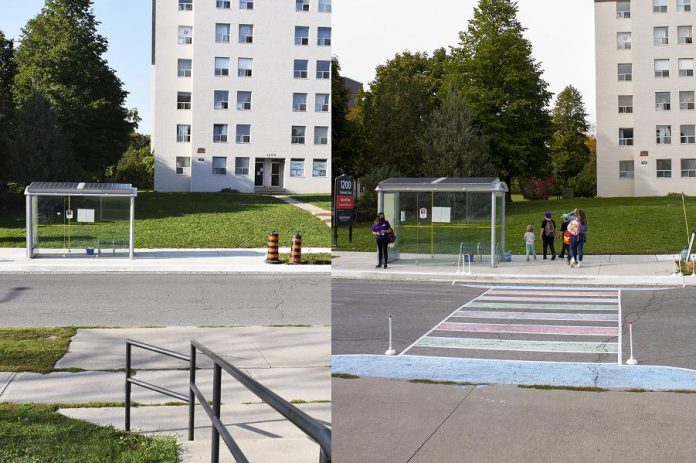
[(242, 94), (646, 140)]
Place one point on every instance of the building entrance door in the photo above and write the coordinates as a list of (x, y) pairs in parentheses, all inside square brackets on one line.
[(276, 174), (258, 178)]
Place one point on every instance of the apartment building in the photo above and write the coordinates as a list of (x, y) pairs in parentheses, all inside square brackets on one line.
[(241, 92), (646, 137)]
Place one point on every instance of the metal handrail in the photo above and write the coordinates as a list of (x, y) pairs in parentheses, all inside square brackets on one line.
[(153, 387), (314, 429)]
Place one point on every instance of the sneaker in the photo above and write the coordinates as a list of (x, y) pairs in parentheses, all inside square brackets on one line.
[(385, 266), (544, 257), (553, 257), (535, 257), (577, 265), (572, 263), (527, 258), (378, 266)]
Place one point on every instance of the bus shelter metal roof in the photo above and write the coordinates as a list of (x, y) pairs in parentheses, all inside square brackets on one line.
[(443, 184)]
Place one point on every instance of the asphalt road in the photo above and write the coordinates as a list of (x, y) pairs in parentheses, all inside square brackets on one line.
[(163, 300), (664, 319)]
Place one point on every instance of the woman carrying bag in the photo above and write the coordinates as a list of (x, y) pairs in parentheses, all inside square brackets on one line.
[(383, 234)]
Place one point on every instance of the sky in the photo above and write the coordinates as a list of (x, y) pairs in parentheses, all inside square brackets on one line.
[(126, 24), (367, 33)]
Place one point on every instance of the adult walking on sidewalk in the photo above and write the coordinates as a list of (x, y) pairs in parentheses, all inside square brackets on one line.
[(382, 230), (548, 234), (578, 234)]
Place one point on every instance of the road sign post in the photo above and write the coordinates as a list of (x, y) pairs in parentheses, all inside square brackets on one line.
[(343, 206)]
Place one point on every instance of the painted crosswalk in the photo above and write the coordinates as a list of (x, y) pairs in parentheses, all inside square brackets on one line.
[(550, 324)]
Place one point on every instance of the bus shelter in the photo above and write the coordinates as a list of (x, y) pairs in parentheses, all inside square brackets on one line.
[(440, 218), (93, 219)]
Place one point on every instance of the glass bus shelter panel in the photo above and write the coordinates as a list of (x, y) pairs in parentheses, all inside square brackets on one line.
[(461, 221), (500, 217)]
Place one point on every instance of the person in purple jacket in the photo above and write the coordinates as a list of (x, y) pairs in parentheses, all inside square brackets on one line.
[(381, 229)]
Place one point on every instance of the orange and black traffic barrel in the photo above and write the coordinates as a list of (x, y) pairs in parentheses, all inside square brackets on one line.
[(296, 250), (272, 254)]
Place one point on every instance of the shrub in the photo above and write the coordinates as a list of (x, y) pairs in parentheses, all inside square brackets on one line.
[(539, 188)]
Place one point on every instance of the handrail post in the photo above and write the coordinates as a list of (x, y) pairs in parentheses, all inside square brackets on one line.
[(217, 377), (192, 396), (322, 457), (128, 385)]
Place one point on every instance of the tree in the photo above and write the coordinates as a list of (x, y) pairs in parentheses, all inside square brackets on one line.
[(8, 70), (569, 150), (586, 182), (494, 69), (395, 110), (39, 151), (61, 55), (346, 132), (137, 166), (452, 146)]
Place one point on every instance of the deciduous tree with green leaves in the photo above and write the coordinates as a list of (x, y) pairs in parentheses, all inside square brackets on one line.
[(569, 150), (346, 132), (8, 70), (494, 69), (61, 55)]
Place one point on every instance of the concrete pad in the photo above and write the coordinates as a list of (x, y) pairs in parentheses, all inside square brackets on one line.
[(244, 347), (5, 379), (66, 387), (290, 450)]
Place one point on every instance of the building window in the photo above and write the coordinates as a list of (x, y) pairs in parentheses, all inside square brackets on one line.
[(296, 167), (663, 101), (185, 5), (298, 135), (243, 101), (686, 100), (183, 165), (241, 166), (222, 66), (219, 165), (299, 102), (246, 4), (300, 68), (683, 5), (301, 35), (185, 35), (246, 33), (244, 66), (623, 9), (661, 35), (625, 71), (319, 167), (659, 6), (687, 134), (243, 133), (223, 4), (661, 68), (221, 99), (323, 69), (321, 135), (663, 134), (625, 169), (324, 36), (685, 35), (301, 5), (183, 100), (625, 104), (623, 40), (688, 168), (664, 168), (686, 67), (184, 67), (222, 33), (220, 133), (183, 133), (626, 137), (324, 6), (321, 103)]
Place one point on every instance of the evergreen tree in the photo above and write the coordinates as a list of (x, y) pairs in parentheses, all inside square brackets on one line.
[(38, 149), (586, 182), (569, 150), (494, 69), (452, 146), (61, 56), (7, 74), (346, 133)]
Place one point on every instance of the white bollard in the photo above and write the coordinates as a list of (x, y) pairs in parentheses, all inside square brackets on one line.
[(469, 259), (391, 350), (693, 265), (631, 360)]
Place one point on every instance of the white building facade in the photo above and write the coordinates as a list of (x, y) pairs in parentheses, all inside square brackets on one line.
[(241, 93), (646, 121)]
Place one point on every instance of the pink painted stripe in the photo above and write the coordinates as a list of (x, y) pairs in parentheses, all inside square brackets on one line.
[(528, 329), (554, 293)]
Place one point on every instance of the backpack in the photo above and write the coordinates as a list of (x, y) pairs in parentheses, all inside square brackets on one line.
[(549, 229)]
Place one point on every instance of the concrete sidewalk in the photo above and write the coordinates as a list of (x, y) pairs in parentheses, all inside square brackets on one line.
[(595, 270), (13, 260), (316, 211)]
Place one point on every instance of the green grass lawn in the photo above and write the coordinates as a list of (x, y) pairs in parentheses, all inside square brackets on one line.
[(33, 349), (320, 200), (617, 225), (37, 433), (186, 220)]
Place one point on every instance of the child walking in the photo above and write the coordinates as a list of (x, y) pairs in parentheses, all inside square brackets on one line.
[(529, 242)]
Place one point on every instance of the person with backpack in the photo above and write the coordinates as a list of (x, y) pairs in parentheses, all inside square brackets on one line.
[(565, 236), (548, 235), (578, 229), (382, 231)]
